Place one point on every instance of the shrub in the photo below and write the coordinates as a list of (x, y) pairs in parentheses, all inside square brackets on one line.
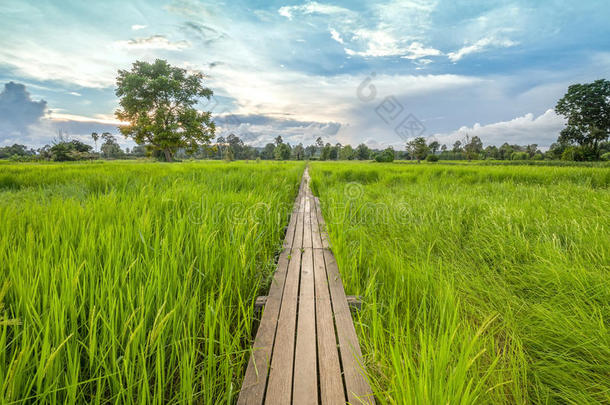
[(572, 153), (606, 156), (519, 156), (432, 158), (385, 156)]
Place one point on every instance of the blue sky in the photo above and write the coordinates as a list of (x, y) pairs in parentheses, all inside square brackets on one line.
[(305, 69)]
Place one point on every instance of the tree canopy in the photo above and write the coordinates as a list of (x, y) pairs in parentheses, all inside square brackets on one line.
[(157, 101), (418, 148), (587, 110)]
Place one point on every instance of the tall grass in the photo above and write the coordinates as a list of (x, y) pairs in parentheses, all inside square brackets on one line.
[(481, 284), (134, 282)]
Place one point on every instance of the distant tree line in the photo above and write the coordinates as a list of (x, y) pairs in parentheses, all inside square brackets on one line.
[(157, 103), (233, 147), (65, 149)]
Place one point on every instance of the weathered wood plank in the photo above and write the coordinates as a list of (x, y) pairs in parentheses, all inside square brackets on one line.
[(257, 371), (289, 238), (255, 380), (305, 386), (356, 384), (307, 232), (353, 301), (306, 350), (298, 235), (279, 388), (316, 239), (321, 224), (331, 383)]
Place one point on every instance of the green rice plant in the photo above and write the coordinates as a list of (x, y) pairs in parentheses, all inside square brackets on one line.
[(480, 284), (134, 282)]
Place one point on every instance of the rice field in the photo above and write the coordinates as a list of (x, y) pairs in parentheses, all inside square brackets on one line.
[(480, 284), (134, 282)]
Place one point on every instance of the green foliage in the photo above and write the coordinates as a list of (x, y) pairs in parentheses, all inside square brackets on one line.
[(432, 158), (268, 152), (298, 152), (158, 103), (480, 284), (606, 157), (282, 151), (110, 148), (519, 156), (386, 156), (347, 153), (473, 147), (572, 153), (325, 152), (363, 152), (418, 148), (15, 150), (587, 110), (70, 150), (134, 282), (433, 147)]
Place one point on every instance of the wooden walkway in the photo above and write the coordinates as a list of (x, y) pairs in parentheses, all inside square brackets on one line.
[(306, 350)]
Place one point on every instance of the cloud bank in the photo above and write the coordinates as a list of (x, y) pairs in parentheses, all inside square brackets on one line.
[(18, 111)]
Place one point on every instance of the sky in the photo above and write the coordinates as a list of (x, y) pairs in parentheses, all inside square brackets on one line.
[(374, 72)]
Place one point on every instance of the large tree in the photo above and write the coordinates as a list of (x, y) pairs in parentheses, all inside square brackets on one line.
[(282, 151), (587, 110), (363, 152), (473, 147), (158, 102), (418, 148), (298, 152), (347, 153), (110, 148)]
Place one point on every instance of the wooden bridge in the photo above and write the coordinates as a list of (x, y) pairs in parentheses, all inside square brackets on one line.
[(306, 350)]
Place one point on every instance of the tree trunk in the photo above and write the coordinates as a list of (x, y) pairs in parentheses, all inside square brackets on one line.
[(168, 155)]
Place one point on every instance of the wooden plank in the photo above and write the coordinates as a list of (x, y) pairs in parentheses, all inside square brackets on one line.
[(296, 358), (298, 235), (289, 238), (255, 380), (279, 388), (331, 383), (316, 239), (353, 301), (307, 235), (257, 372), (321, 224), (305, 386), (356, 384)]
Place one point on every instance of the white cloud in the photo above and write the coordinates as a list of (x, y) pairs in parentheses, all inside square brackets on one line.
[(392, 29), (336, 36), (18, 111), (417, 50), (152, 42), (256, 133), (98, 119), (383, 43), (312, 7), (44, 63), (480, 46), (275, 92), (137, 27), (526, 129)]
